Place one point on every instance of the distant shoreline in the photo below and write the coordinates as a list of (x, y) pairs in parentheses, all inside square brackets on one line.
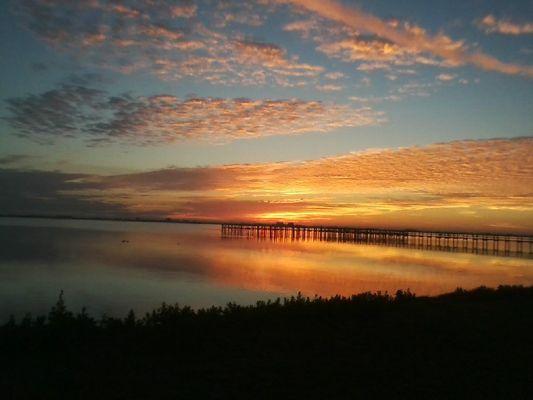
[(216, 222), (118, 219)]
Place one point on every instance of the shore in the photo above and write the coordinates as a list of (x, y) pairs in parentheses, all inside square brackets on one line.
[(465, 344)]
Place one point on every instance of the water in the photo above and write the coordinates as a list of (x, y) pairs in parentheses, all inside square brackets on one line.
[(112, 267)]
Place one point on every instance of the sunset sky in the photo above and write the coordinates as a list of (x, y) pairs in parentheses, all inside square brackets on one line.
[(405, 114)]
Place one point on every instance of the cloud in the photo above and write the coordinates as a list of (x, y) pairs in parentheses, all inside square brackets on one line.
[(240, 13), (62, 111), (400, 92), (204, 41), (488, 168), (376, 54), (409, 185), (440, 186), (303, 27), (14, 159), (167, 39), (98, 117), (329, 87), (490, 24), (334, 75), (446, 77), (185, 10), (399, 38), (275, 58), (27, 192), (350, 45), (170, 179), (374, 100), (223, 60)]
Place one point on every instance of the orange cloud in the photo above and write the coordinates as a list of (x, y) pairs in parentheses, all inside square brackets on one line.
[(505, 27), (465, 185), (411, 38), (273, 57), (486, 184), (355, 49), (347, 44)]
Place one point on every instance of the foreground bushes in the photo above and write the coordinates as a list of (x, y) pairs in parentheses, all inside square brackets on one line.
[(475, 344)]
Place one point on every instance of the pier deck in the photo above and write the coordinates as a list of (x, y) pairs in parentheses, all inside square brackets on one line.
[(486, 243)]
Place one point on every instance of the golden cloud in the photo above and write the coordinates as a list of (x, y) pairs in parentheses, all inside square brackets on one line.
[(402, 38), (486, 181), (505, 27)]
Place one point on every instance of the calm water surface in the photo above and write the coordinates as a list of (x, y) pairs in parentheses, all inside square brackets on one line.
[(192, 264)]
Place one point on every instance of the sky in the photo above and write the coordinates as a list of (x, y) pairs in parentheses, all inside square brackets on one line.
[(376, 113)]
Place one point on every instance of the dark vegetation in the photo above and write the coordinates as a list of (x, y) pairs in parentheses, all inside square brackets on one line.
[(466, 344)]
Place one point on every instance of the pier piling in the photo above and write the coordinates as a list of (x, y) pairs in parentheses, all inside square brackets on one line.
[(484, 243)]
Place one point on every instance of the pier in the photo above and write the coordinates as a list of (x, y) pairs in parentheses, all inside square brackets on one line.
[(482, 243)]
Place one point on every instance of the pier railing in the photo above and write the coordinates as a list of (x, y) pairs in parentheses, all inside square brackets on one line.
[(485, 243)]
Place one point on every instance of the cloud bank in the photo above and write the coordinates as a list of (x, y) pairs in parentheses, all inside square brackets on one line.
[(485, 184), (74, 110), (170, 39), (212, 41), (409, 39)]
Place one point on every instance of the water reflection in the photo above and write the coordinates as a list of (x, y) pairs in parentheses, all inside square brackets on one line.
[(115, 266), (510, 245)]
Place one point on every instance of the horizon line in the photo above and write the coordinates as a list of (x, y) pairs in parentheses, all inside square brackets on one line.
[(253, 223)]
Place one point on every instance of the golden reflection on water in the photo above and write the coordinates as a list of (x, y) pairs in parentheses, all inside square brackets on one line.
[(340, 268), (114, 267), (323, 268)]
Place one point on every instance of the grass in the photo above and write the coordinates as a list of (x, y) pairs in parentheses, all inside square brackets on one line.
[(465, 344)]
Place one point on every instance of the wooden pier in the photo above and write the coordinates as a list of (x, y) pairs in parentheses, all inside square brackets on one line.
[(483, 243)]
